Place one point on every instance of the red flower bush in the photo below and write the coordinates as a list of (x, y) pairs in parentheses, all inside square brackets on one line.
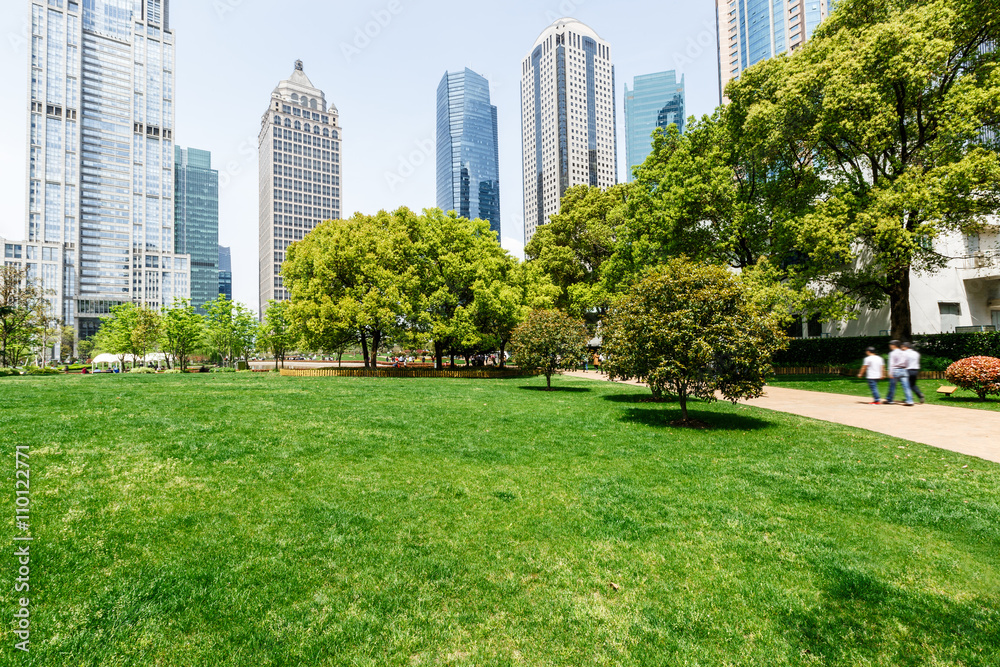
[(977, 374)]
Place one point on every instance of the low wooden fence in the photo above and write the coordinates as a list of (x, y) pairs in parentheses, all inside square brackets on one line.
[(471, 373), (842, 371)]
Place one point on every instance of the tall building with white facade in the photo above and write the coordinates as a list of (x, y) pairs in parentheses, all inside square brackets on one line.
[(755, 30), (100, 200), (568, 122), (299, 164)]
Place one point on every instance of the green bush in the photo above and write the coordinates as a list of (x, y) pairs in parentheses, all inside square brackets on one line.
[(844, 351), (172, 371), (8, 372), (223, 369), (44, 371), (143, 371)]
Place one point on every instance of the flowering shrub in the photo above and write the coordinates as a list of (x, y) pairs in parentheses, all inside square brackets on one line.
[(977, 374)]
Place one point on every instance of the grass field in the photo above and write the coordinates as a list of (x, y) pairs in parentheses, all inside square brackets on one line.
[(857, 387), (250, 519)]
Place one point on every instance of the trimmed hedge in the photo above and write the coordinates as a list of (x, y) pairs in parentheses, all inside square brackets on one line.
[(840, 351)]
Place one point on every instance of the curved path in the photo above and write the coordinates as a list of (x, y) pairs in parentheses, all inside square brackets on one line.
[(962, 430)]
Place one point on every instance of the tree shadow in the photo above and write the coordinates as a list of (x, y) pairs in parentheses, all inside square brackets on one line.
[(856, 609), (645, 398), (560, 389), (713, 421)]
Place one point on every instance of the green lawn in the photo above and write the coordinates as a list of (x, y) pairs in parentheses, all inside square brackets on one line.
[(857, 387), (234, 520)]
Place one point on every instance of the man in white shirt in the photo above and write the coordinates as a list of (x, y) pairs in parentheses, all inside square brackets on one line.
[(913, 369), (898, 373), (873, 369)]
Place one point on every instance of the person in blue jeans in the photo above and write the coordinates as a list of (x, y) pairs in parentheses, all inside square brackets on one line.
[(873, 370), (898, 373)]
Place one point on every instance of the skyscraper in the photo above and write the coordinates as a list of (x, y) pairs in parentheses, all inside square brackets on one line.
[(196, 220), (755, 30), (225, 274), (568, 123), (299, 160), (468, 166), (656, 100), (101, 158)]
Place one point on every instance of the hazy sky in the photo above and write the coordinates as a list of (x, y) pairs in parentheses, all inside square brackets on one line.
[(232, 53)]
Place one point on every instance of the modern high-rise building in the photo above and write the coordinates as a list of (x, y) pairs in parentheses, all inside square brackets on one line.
[(225, 274), (655, 100), (755, 30), (196, 221), (299, 160), (568, 123), (468, 166), (101, 157)]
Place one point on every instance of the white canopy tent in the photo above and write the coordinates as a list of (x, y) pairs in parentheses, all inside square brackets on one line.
[(108, 363)]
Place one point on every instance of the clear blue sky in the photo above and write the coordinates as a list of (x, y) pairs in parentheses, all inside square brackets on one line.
[(232, 53)]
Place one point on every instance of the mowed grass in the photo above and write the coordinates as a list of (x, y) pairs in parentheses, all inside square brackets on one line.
[(858, 387), (259, 520)]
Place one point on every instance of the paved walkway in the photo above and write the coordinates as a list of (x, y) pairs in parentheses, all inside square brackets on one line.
[(963, 430)]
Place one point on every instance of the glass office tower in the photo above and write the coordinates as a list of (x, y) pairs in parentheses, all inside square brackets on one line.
[(101, 157), (655, 100), (468, 165), (755, 30), (196, 220), (225, 273), (568, 121)]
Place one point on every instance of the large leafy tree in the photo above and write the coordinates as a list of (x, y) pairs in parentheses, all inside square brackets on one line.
[(276, 332), (464, 262), (890, 98), (20, 298), (147, 332), (573, 247), (183, 331), (362, 274), (231, 329), (550, 342), (115, 334), (692, 330)]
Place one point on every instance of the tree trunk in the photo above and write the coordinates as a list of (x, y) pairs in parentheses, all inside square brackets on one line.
[(548, 381), (376, 340), (901, 321), (438, 356), (503, 352), (684, 406), (364, 348)]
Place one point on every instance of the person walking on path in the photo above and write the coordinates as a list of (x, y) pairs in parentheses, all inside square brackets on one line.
[(913, 369), (898, 373), (873, 370)]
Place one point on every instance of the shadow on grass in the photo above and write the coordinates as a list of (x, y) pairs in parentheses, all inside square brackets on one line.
[(860, 613), (661, 417), (557, 388), (643, 398)]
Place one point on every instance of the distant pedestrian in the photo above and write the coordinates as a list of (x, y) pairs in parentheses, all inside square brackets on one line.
[(898, 373), (873, 370), (913, 369)]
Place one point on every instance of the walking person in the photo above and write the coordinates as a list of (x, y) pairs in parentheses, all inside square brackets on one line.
[(873, 370), (913, 369), (898, 373)]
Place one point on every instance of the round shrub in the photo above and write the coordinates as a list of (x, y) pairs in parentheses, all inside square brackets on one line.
[(47, 370), (8, 372), (980, 375), (223, 369), (172, 371), (143, 371)]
